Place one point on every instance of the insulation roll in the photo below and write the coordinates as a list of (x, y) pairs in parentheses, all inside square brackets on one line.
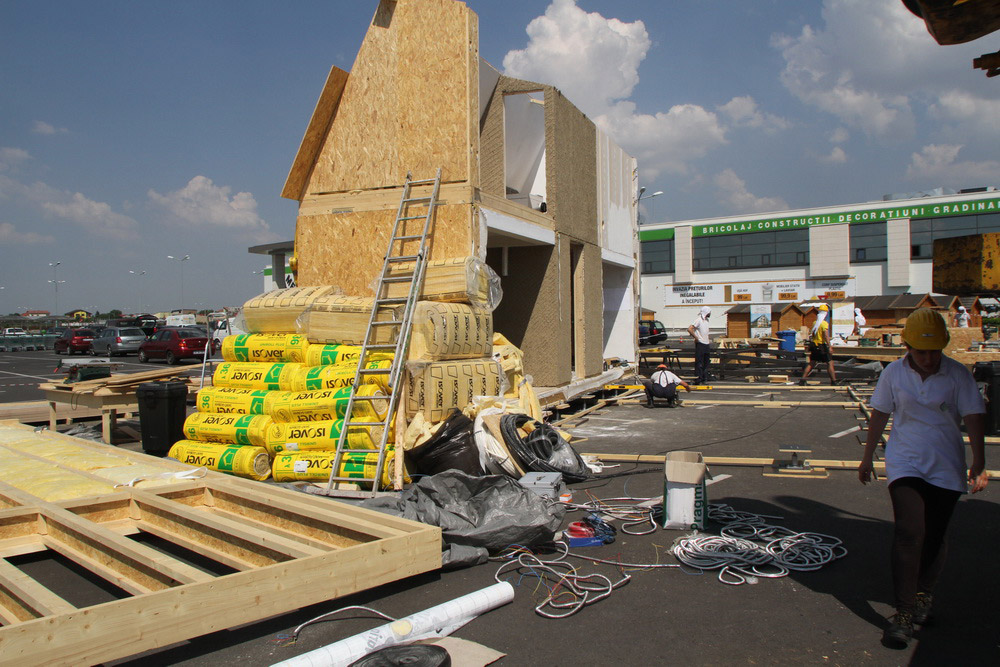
[(227, 400), (265, 347), (344, 320), (233, 429), (456, 280), (277, 311), (242, 461), (322, 435), (250, 375), (437, 388), (323, 405), (450, 331), (336, 377), (315, 466), (339, 355)]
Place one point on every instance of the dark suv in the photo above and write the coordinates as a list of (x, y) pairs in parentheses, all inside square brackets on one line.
[(652, 332)]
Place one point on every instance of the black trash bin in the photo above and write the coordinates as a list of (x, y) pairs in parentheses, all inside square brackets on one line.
[(988, 372), (162, 409)]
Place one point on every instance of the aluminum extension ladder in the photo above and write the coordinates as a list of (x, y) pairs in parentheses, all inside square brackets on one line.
[(378, 324)]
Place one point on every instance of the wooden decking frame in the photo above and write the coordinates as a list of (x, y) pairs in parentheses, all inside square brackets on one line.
[(289, 549)]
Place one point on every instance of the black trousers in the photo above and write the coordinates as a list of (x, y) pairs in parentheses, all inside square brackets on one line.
[(922, 512), (654, 390), (701, 361)]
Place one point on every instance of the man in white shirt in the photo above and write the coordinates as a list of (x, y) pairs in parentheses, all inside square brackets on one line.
[(702, 344), (663, 384), (962, 317)]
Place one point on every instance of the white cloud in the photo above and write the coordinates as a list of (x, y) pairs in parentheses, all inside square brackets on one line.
[(936, 164), (10, 157), (743, 112), (9, 235), (733, 191), (201, 202), (839, 135), (94, 216), (41, 127), (875, 67), (836, 156), (970, 112), (592, 60)]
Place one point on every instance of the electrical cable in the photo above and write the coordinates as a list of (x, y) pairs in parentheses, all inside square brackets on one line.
[(535, 451)]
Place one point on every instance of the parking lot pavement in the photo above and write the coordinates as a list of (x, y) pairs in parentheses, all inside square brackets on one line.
[(21, 372)]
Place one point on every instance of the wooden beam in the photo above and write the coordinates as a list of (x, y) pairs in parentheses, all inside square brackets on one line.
[(22, 598)]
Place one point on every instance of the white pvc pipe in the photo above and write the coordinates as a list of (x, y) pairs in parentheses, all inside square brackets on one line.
[(437, 621)]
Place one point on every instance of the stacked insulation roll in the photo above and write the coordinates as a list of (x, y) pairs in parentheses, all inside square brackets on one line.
[(276, 393)]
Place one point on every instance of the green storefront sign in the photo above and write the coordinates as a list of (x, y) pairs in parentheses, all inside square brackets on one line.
[(941, 210)]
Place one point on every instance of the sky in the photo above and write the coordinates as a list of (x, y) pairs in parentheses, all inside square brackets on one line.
[(130, 131)]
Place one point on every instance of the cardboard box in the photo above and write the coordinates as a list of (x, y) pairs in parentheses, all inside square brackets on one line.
[(685, 500)]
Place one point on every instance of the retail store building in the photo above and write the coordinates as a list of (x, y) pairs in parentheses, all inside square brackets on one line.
[(836, 253)]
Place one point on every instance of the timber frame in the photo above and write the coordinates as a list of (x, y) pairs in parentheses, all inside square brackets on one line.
[(288, 550)]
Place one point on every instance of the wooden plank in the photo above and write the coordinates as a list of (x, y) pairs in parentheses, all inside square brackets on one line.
[(22, 598), (383, 199)]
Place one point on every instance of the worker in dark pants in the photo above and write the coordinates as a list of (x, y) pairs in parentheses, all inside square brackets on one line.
[(702, 344), (663, 384)]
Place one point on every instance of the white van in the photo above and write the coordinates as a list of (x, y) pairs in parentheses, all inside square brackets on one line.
[(186, 320)]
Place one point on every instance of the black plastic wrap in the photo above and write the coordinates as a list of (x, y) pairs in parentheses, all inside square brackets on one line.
[(452, 447), (477, 515)]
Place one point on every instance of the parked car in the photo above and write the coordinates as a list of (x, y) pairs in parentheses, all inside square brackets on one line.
[(74, 340), (118, 340), (14, 331), (652, 332), (173, 345)]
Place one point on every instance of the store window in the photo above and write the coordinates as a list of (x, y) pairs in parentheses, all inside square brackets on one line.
[(748, 251), (868, 242), (657, 256), (923, 232)]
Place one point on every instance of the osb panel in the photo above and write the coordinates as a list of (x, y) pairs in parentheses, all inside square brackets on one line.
[(406, 105), (346, 249), (571, 168), (491, 141), (312, 142)]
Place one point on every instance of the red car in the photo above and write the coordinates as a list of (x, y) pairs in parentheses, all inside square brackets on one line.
[(74, 340), (173, 345)]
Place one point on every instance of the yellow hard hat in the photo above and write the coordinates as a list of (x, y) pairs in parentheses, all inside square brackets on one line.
[(925, 329), (823, 306)]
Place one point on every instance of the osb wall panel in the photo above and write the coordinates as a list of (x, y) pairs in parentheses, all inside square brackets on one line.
[(346, 249), (571, 168), (312, 141), (410, 103), (531, 314), (491, 137)]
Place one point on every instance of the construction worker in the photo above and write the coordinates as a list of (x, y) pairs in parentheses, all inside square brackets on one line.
[(819, 345), (702, 344), (663, 384), (928, 395), (859, 321), (962, 318)]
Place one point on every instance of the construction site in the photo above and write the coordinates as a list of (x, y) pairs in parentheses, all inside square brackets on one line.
[(443, 447)]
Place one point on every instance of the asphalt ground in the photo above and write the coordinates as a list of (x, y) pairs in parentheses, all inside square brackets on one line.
[(833, 616)]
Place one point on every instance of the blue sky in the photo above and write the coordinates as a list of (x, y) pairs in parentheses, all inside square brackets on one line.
[(130, 131)]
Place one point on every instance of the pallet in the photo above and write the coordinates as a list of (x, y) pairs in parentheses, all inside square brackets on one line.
[(289, 550)]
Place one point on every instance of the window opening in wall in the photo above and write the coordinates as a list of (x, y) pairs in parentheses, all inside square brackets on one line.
[(524, 148), (860, 254), (576, 309)]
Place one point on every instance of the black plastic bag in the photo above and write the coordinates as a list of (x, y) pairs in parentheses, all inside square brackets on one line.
[(453, 447)]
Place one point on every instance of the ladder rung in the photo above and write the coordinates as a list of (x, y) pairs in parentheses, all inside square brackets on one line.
[(413, 199), (375, 371), (402, 258), (381, 346), (395, 299), (368, 398), (422, 181), (408, 237), (354, 423), (386, 322), (398, 279), (409, 217), (361, 451)]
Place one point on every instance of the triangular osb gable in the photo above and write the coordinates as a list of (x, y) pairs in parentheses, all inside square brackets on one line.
[(410, 104)]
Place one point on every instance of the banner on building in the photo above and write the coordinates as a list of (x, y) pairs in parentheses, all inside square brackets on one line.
[(760, 320), (760, 292)]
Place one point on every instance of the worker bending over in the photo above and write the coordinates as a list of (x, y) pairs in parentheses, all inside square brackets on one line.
[(819, 346), (663, 384)]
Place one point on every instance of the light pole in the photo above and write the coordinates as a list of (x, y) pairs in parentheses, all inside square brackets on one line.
[(55, 285), (181, 260), (138, 275), (642, 195)]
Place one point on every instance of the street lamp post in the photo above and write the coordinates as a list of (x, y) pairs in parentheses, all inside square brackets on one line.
[(181, 260), (642, 195), (55, 285), (138, 275)]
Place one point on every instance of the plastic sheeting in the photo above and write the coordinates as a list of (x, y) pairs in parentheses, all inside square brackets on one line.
[(477, 515)]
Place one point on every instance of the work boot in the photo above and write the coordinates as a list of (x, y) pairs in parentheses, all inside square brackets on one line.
[(649, 402), (922, 609), (802, 382), (900, 630), (678, 403)]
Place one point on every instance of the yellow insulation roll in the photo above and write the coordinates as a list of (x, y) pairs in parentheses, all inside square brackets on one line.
[(249, 462), (339, 355), (250, 375), (315, 466), (323, 435), (336, 377), (269, 348), (326, 404), (234, 429), (227, 400)]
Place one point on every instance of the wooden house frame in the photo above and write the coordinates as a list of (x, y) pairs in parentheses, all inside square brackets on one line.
[(529, 184), (273, 550)]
